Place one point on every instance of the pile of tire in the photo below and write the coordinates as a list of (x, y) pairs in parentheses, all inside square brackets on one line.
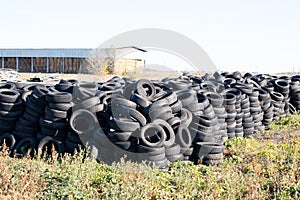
[(176, 119)]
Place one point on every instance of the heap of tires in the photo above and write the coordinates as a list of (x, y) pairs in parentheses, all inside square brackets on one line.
[(176, 119)]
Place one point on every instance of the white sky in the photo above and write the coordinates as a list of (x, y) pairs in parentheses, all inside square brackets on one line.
[(249, 35)]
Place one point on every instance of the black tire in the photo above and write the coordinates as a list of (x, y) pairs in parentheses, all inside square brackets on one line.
[(175, 158), (145, 157), (175, 122), (107, 99), (9, 96), (7, 86), (25, 95), (150, 150), (173, 150), (7, 121), (46, 145), (27, 129), (277, 96), (88, 86), (208, 148), (219, 111), (97, 108), (62, 87), (183, 137), (170, 135), (11, 106), (203, 128), (9, 140), (152, 140), (209, 110), (80, 93), (26, 146), (35, 100), (124, 145), (28, 117), (207, 121), (37, 108), (159, 112), (124, 125), (60, 106), (128, 113), (10, 114), (59, 97), (187, 98), (5, 128), (145, 88), (120, 136), (40, 91), (110, 86), (73, 137), (281, 85), (215, 99), (87, 103), (30, 87), (53, 125), (171, 97), (120, 102), (176, 107), (229, 99), (20, 135), (83, 121), (187, 151), (52, 113), (189, 117), (57, 133), (202, 99), (140, 100), (292, 109), (71, 147), (194, 107)]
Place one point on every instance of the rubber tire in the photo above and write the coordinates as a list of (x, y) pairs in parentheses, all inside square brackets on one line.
[(183, 137), (159, 129), (20, 144), (11, 138), (48, 139), (9, 96), (59, 97), (170, 135)]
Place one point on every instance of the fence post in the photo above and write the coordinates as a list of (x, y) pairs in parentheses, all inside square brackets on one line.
[(17, 63), (47, 65), (31, 68), (63, 65)]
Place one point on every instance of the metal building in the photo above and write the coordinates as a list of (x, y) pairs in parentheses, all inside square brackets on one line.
[(44, 60)]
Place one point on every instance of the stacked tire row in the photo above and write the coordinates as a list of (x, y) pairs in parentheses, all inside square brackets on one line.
[(180, 119)]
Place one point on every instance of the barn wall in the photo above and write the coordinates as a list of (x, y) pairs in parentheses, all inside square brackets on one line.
[(71, 65), (123, 66)]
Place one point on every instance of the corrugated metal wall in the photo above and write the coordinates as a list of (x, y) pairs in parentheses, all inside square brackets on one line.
[(54, 53), (44, 60)]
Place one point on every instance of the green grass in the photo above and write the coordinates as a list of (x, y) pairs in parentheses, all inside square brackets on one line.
[(264, 168), (292, 122)]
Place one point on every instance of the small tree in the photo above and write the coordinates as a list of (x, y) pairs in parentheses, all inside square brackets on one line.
[(101, 61)]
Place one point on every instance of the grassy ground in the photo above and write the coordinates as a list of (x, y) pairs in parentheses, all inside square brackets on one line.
[(264, 168)]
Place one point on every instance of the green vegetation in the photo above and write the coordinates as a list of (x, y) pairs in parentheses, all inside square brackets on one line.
[(292, 122), (264, 168)]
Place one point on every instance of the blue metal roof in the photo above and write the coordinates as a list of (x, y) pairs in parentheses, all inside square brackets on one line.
[(54, 53)]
